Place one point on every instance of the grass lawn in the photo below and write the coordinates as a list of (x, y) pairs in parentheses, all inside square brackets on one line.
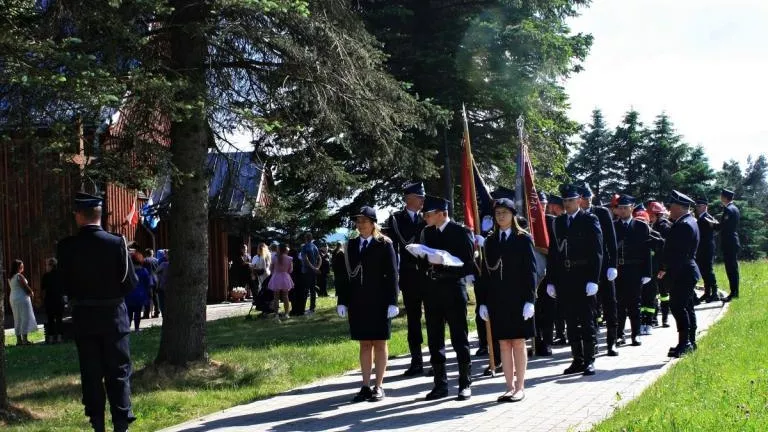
[(256, 359), (723, 386)]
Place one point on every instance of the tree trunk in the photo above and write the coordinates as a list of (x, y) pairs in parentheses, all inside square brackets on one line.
[(183, 333), (4, 404)]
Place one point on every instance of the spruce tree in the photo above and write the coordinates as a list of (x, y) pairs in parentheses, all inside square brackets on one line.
[(625, 155), (590, 162)]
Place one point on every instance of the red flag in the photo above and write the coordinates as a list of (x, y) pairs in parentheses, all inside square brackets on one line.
[(535, 211), (132, 218), (468, 181)]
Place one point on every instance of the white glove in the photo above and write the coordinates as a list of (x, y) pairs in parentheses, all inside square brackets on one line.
[(551, 291), (486, 224), (645, 280), (392, 311), (469, 279), (480, 240), (483, 312), (528, 311), (591, 288), (611, 274), (341, 310)]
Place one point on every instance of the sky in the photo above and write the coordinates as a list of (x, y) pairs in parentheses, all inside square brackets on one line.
[(704, 62)]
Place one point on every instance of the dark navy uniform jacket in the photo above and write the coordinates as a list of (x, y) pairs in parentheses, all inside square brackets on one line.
[(634, 249), (707, 227), (575, 254), (729, 225), (96, 273), (680, 251), (456, 240), (610, 243), (403, 231)]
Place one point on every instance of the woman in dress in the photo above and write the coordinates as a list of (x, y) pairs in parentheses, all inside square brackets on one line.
[(281, 282), (367, 295), (24, 321), (506, 293), (139, 296)]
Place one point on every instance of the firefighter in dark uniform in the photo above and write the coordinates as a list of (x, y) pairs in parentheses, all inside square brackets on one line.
[(634, 261), (546, 306), (574, 265), (661, 224), (555, 209), (729, 241), (404, 228), (681, 272), (607, 293), (97, 273), (445, 297), (705, 254)]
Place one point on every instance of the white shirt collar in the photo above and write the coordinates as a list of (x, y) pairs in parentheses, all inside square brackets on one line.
[(626, 221), (572, 215), (508, 231), (411, 213), (442, 227), (368, 239)]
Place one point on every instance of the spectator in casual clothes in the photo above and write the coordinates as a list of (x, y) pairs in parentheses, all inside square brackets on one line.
[(53, 292), (139, 297), (162, 281), (325, 269), (151, 263), (21, 304), (310, 269), (260, 267), (298, 297)]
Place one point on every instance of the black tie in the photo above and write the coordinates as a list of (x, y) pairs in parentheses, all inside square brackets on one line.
[(626, 226), (415, 218), (365, 244), (503, 236), (570, 221)]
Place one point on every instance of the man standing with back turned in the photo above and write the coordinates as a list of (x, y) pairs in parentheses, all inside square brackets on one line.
[(99, 314), (729, 241)]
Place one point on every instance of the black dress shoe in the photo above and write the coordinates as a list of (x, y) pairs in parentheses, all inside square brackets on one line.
[(364, 394), (414, 370), (377, 394), (487, 371), (621, 342), (437, 393), (612, 352), (464, 393), (574, 368), (682, 350), (560, 341), (543, 351), (665, 324), (636, 341), (481, 352), (589, 370)]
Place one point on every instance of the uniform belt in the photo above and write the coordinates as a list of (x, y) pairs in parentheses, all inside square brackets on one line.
[(623, 262), (569, 264), (97, 302)]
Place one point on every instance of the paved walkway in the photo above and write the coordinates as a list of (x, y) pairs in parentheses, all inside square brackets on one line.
[(214, 312), (553, 402)]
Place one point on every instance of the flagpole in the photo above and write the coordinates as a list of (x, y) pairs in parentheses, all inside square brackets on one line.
[(476, 217), (523, 157)]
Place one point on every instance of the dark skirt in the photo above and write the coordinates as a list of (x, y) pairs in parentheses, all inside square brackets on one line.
[(369, 322), (507, 321)]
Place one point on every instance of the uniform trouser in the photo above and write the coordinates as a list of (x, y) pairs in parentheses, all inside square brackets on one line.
[(607, 297), (546, 310), (664, 298), (681, 302), (732, 269), (582, 331), (559, 320), (445, 301), (54, 326), (105, 364), (412, 287), (648, 302), (706, 267), (628, 292)]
